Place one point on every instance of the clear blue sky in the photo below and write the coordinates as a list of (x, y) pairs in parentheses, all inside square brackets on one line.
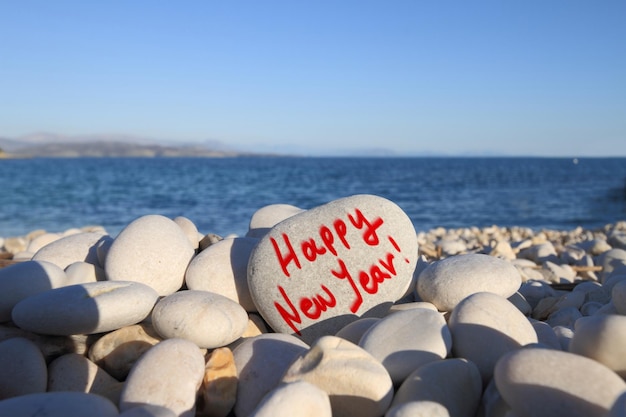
[(537, 77)]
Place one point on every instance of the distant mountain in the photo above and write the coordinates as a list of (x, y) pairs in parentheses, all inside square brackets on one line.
[(95, 146)]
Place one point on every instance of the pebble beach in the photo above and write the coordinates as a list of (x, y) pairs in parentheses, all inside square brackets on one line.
[(342, 310)]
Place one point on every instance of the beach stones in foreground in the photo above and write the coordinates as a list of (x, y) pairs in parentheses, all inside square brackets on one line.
[(66, 404), (222, 268), (317, 271), (546, 383), (365, 391), (484, 327), (93, 307), (22, 368), (169, 374), (73, 248), (446, 282), (406, 340), (152, 250), (209, 320)]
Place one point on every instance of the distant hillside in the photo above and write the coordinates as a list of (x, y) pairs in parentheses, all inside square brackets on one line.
[(55, 146)]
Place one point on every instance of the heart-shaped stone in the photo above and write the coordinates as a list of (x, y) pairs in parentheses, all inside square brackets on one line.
[(319, 270)]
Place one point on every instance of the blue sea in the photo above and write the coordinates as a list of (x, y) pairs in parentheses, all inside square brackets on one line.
[(220, 195)]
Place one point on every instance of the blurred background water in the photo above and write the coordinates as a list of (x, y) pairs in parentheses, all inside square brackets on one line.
[(220, 195)]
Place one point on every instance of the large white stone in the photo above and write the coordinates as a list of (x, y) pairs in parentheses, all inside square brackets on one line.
[(261, 362), (358, 385), (267, 217), (406, 340), (58, 404), (603, 339), (209, 320), (445, 283), (296, 399), (546, 383), (454, 383), (23, 279), (169, 375), (74, 372), (152, 250), (72, 248), (353, 332), (222, 268), (94, 307), (317, 271), (22, 368), (484, 327)]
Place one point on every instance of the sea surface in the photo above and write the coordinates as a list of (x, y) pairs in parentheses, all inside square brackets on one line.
[(220, 195)]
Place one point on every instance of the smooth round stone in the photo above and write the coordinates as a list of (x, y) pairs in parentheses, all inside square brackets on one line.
[(269, 216), (74, 248), (152, 250), (411, 305), (22, 369), (83, 272), (42, 240), (94, 307), (546, 383), (453, 383), (354, 331), (219, 384), (357, 384), (520, 302), (207, 319), (148, 410), (418, 409), (484, 327), (565, 335), (116, 352), (190, 230), (74, 372), (408, 339), (321, 269), (169, 375), (222, 268), (602, 338), (611, 260), (618, 296), (445, 283), (261, 362), (23, 279), (540, 253), (57, 404), (296, 399)]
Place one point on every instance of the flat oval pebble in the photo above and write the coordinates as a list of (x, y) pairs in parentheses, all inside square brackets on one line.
[(445, 283), (546, 383), (296, 399), (408, 339), (189, 228), (23, 279), (353, 332), (358, 385), (484, 327), (22, 369), (82, 272), (317, 271), (602, 338), (268, 216), (169, 374), (261, 362), (222, 268), (454, 383), (58, 404), (152, 250), (116, 352), (209, 320), (74, 372), (94, 307), (74, 248)]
